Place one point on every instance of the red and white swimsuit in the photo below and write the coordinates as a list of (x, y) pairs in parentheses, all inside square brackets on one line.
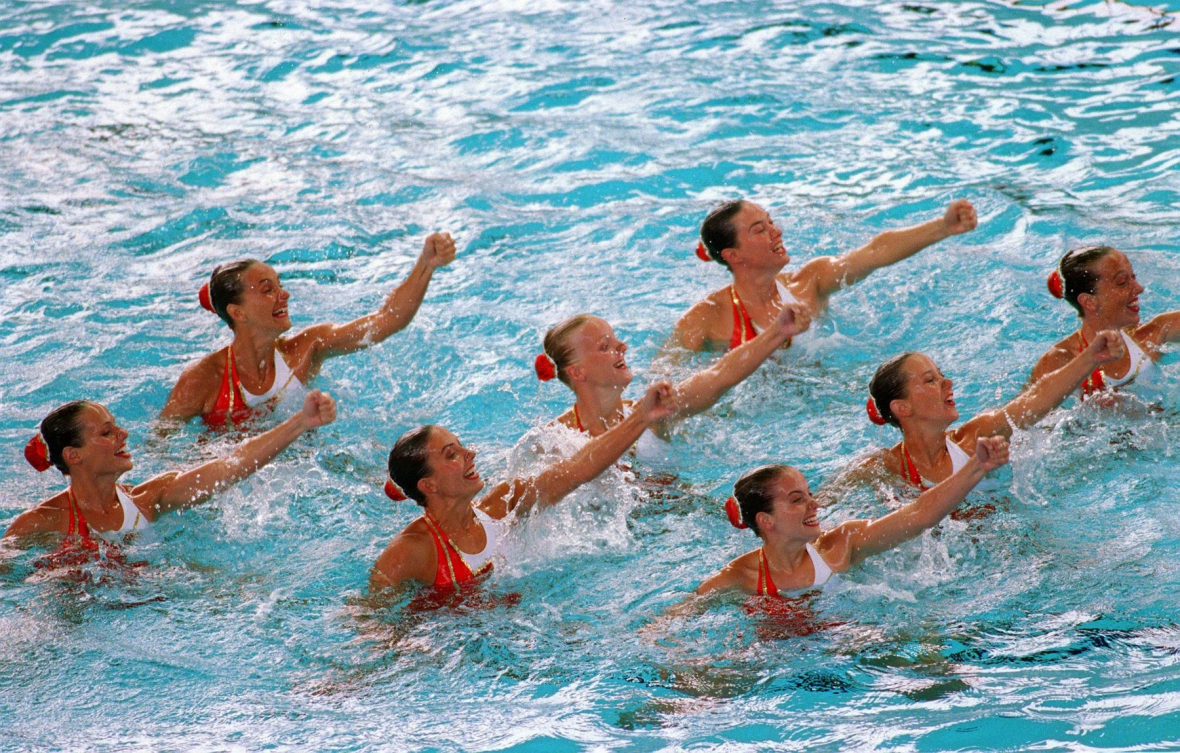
[(457, 569), (766, 587), (743, 326), (235, 405)]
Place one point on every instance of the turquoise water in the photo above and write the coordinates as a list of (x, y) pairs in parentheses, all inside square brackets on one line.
[(573, 148)]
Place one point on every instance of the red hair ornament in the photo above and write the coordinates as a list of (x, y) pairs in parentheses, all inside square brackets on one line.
[(1056, 285), (393, 492), (37, 453), (702, 252), (205, 299), (874, 414), (545, 368), (734, 513)]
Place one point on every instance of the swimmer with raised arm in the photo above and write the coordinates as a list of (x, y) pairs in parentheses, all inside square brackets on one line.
[(910, 392), (83, 441), (1100, 284), (741, 236), (457, 538), (585, 355), (262, 364), (776, 504)]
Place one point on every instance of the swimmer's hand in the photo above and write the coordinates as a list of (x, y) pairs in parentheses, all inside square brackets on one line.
[(438, 250), (793, 319), (658, 403), (1108, 346), (991, 452), (960, 217), (319, 409)]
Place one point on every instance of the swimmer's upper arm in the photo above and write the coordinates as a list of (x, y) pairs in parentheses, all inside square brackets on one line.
[(825, 275), (1057, 357), (191, 392), (1161, 329), (692, 329), (405, 559), (729, 577), (506, 496), (40, 519)]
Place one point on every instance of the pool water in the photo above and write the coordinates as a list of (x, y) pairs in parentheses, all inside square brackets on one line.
[(573, 148)]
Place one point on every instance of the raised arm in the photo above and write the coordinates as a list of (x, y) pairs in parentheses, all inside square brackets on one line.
[(1046, 393), (866, 538), (889, 247), (704, 388), (328, 340), (1161, 329), (172, 491), (550, 485)]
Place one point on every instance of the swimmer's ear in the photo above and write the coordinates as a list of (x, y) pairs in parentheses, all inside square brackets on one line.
[(427, 485), (1088, 302), (236, 312), (575, 372), (729, 255), (765, 521), (901, 408), (71, 455)]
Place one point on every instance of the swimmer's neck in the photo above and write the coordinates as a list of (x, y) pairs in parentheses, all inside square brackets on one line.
[(757, 288), (254, 352), (452, 514), (599, 408), (1092, 325), (926, 443), (96, 495), (785, 555)]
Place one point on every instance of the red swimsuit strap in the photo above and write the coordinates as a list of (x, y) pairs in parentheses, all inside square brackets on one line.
[(77, 524), (578, 420), (230, 406), (1096, 382), (452, 570), (766, 585), (911, 471), (743, 325)]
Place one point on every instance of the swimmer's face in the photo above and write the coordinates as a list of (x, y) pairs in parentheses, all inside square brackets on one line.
[(759, 241), (929, 395), (599, 357), (795, 513), (1116, 292), (264, 300), (104, 445), (452, 467)]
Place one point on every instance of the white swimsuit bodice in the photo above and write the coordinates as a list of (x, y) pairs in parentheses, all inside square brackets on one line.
[(284, 384), (133, 519), (494, 530), (823, 571), (1141, 365)]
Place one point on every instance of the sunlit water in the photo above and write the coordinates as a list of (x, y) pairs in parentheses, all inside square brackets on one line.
[(573, 148)]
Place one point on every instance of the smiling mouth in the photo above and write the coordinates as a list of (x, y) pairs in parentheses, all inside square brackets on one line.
[(123, 453), (471, 475), (811, 520), (280, 313), (621, 364), (778, 249)]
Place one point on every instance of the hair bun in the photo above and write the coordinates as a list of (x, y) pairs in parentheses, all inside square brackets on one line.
[(702, 252), (874, 414), (205, 299), (393, 492), (1056, 285), (734, 513), (37, 453), (545, 368)]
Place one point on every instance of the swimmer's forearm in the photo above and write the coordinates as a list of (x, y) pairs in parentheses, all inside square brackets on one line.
[(588, 463), (701, 390), (1049, 391), (403, 303)]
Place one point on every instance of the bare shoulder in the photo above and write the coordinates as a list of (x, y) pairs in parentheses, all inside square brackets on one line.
[(146, 496), (196, 390), (567, 419), (409, 556), (1156, 331), (835, 546), (741, 572), (1056, 357), (51, 516), (704, 322)]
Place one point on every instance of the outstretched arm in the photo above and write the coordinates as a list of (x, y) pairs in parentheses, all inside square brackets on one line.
[(704, 388), (550, 485), (1046, 393), (1161, 329), (328, 340), (866, 538), (173, 491), (888, 248)]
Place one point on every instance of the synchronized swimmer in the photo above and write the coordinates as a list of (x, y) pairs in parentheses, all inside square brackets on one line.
[(459, 536), (253, 372)]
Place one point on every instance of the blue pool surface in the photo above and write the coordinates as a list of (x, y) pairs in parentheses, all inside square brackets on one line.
[(572, 149)]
